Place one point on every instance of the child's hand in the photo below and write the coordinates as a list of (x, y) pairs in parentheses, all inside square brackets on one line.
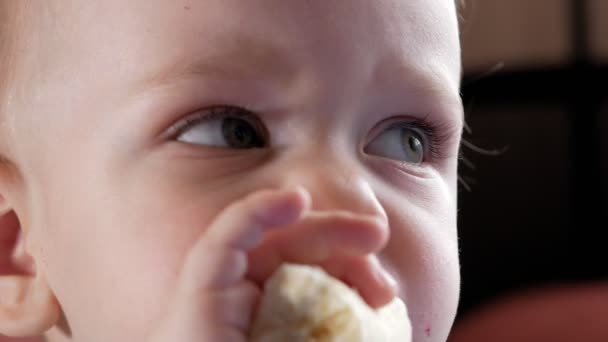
[(217, 290)]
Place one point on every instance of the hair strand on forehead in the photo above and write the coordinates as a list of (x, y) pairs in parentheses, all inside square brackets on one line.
[(11, 17)]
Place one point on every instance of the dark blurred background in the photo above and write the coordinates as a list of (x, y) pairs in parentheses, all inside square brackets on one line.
[(536, 97)]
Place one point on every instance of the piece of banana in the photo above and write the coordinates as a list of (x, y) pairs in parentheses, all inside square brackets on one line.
[(305, 304)]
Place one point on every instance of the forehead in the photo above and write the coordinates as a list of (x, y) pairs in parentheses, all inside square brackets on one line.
[(140, 44), (148, 34), (331, 45), (354, 16)]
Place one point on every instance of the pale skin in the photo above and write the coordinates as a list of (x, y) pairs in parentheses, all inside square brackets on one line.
[(130, 229)]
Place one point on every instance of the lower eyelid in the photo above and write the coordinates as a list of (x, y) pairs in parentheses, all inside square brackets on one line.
[(396, 170)]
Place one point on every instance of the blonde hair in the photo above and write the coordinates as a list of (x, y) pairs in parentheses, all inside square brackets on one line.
[(12, 22), (6, 47), (460, 10), (5, 62)]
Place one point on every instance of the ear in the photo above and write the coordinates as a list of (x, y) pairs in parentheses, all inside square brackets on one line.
[(27, 304)]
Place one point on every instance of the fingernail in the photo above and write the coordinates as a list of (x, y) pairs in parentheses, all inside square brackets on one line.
[(305, 195), (284, 210)]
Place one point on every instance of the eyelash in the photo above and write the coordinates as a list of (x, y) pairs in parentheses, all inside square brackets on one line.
[(216, 112), (436, 134)]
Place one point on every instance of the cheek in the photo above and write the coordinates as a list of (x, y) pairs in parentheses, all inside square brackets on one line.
[(428, 273), (423, 253), (119, 244)]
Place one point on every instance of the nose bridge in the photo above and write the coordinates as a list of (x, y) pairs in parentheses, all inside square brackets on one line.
[(335, 184)]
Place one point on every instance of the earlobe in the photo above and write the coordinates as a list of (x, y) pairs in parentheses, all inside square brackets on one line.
[(27, 305)]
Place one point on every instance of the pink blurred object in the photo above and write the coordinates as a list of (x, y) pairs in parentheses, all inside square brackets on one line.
[(10, 339), (575, 313)]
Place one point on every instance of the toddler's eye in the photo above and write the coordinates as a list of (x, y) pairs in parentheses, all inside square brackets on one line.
[(224, 126), (400, 142)]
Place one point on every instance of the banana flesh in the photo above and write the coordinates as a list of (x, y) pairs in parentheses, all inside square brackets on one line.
[(304, 304)]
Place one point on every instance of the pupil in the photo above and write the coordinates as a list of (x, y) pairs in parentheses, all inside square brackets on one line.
[(240, 134), (414, 143)]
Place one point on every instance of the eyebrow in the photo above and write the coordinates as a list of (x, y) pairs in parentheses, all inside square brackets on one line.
[(240, 56), (234, 56)]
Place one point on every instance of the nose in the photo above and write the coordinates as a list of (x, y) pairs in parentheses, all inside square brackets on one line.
[(335, 185), (342, 203)]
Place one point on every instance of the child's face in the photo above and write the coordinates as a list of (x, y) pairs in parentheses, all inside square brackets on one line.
[(115, 197)]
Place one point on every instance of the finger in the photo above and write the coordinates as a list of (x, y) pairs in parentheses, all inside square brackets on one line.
[(213, 301), (233, 306), (210, 316), (316, 238), (218, 259), (242, 224), (373, 283)]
